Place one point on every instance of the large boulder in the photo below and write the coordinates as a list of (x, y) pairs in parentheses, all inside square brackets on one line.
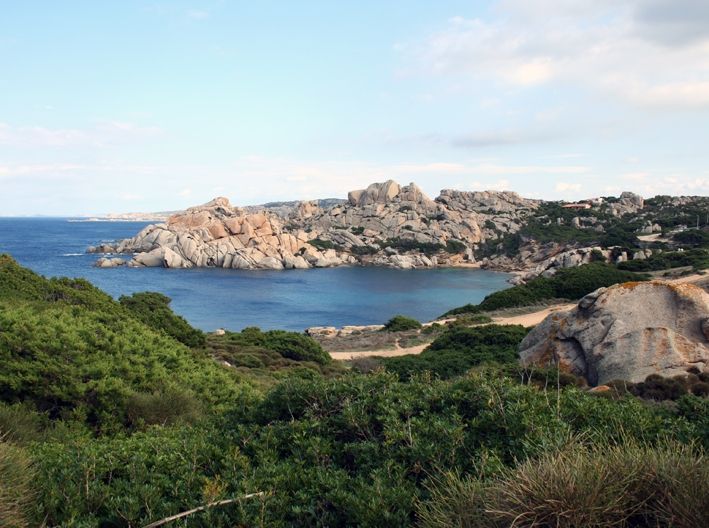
[(627, 331), (375, 193)]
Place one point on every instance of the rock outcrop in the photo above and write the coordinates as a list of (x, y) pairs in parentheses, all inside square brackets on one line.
[(627, 332), (388, 224), (218, 235), (385, 224)]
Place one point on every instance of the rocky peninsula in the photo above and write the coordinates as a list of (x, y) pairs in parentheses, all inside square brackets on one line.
[(387, 224)]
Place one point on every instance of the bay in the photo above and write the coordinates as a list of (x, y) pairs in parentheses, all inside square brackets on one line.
[(234, 299)]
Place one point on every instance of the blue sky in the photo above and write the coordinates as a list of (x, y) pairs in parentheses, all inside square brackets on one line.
[(145, 106)]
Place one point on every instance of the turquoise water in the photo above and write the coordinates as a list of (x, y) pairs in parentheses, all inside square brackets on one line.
[(234, 299)]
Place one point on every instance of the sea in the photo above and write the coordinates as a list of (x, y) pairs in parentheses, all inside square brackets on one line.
[(234, 299)]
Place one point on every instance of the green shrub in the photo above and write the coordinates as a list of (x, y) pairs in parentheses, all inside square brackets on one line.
[(460, 348), (167, 406), (568, 283), (291, 345), (81, 355), (455, 246), (364, 250), (401, 323), (409, 244), (697, 258), (692, 238), (357, 450), (321, 244), (153, 309)]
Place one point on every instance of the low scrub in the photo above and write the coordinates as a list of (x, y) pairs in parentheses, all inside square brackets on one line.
[(290, 345), (153, 309), (569, 283), (401, 323), (458, 349), (696, 258)]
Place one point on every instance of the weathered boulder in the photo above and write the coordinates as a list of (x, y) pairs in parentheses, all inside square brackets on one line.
[(105, 262), (375, 193), (627, 331)]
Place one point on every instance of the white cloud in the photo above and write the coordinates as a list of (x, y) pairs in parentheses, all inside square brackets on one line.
[(562, 187), (185, 192), (101, 134), (647, 52)]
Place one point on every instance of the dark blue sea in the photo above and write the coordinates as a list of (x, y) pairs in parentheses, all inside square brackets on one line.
[(234, 299)]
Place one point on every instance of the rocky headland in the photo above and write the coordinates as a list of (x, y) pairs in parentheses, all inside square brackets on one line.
[(387, 224)]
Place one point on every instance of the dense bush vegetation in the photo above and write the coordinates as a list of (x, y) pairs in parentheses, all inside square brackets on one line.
[(321, 244), (460, 348), (656, 387), (69, 350), (569, 283), (543, 226), (696, 258), (291, 345), (692, 238), (153, 309), (400, 323), (664, 212), (364, 250), (358, 451)]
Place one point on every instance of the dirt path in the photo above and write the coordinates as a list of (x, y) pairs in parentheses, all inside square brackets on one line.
[(534, 318), (388, 352), (689, 278), (530, 319)]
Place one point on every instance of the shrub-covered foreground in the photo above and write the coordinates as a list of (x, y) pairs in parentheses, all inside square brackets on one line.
[(358, 451)]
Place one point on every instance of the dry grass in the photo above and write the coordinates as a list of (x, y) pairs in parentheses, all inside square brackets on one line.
[(624, 486), (15, 478)]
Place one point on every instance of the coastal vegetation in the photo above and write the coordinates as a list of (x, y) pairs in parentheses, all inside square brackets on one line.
[(400, 323), (109, 418), (568, 283)]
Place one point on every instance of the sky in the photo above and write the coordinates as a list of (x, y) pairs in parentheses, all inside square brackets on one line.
[(129, 105)]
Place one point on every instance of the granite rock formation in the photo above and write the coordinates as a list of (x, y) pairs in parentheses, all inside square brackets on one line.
[(626, 332)]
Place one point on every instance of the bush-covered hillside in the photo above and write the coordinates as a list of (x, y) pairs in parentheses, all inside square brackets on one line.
[(71, 351)]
